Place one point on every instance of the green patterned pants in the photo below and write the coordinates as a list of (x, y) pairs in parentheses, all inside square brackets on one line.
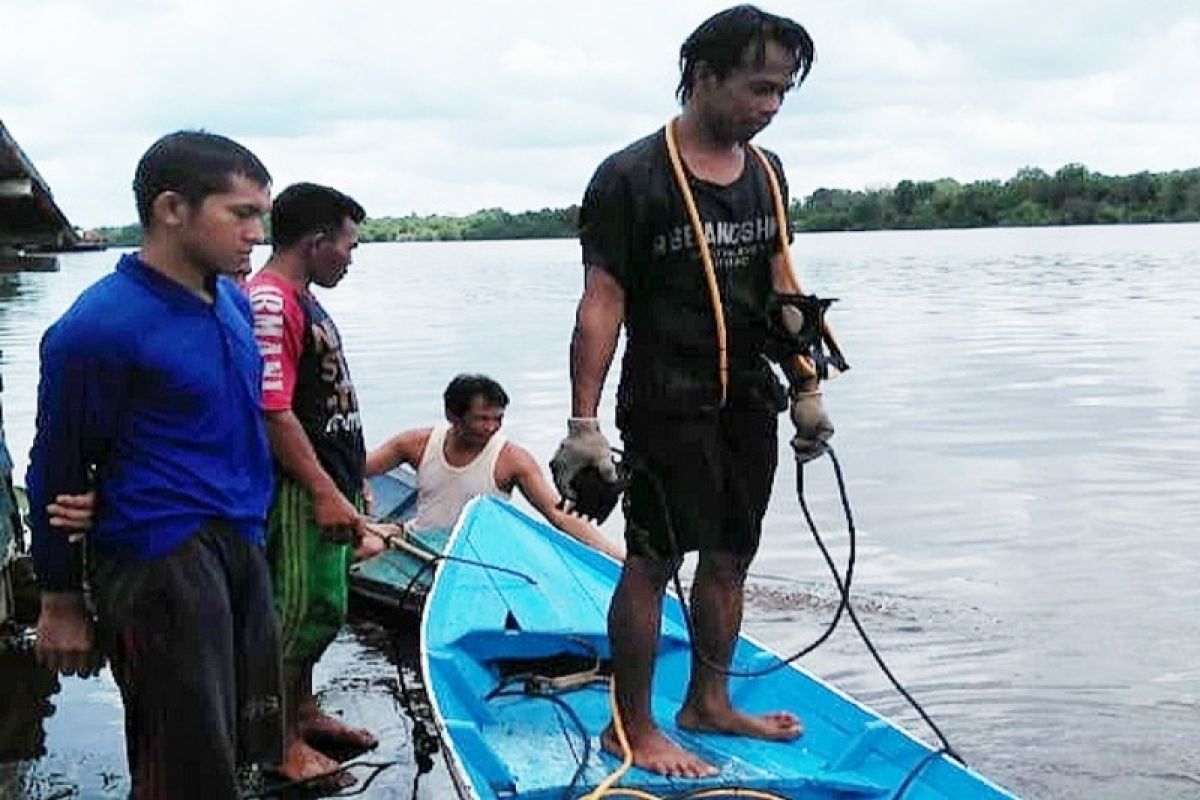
[(309, 574)]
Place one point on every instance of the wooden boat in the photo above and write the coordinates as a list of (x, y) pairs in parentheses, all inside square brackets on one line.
[(397, 579), (515, 657)]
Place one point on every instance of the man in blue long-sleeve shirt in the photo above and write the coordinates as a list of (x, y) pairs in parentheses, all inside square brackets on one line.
[(149, 395)]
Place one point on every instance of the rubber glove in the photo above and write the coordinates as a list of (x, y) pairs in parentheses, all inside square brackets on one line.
[(585, 446), (813, 426)]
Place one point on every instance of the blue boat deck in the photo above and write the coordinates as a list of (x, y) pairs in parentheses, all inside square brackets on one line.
[(550, 601)]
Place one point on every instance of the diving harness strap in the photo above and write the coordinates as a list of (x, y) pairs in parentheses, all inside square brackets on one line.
[(814, 362)]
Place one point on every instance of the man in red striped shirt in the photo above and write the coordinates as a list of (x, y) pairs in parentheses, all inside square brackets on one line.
[(316, 437)]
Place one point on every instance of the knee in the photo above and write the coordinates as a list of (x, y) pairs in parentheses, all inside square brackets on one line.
[(653, 570), (724, 567)]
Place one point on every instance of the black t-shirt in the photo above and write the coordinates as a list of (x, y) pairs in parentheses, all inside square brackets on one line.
[(325, 401), (634, 224)]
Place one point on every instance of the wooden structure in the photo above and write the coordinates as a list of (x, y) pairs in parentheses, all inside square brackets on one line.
[(30, 221)]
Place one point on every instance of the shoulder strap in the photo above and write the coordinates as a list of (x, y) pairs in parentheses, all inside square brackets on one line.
[(710, 272)]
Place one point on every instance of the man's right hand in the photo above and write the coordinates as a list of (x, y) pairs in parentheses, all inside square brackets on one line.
[(65, 638), (585, 446), (337, 517)]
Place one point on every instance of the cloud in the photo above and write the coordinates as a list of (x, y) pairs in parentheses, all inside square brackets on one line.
[(536, 60), (456, 106)]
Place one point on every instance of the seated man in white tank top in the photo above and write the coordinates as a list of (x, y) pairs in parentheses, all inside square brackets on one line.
[(468, 456)]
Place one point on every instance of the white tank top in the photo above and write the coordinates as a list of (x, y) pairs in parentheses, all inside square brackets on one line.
[(443, 490)]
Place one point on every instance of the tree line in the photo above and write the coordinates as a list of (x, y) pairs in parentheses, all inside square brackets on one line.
[(1071, 196)]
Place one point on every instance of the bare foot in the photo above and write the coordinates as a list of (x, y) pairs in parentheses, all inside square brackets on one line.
[(319, 728), (319, 772), (779, 726), (656, 753)]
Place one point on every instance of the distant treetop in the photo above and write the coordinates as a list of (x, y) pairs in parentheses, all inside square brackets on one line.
[(1032, 197)]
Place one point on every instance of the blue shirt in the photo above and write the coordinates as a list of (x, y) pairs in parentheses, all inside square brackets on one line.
[(158, 392)]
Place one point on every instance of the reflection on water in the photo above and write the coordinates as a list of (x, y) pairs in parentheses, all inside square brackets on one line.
[(23, 705), (1021, 440)]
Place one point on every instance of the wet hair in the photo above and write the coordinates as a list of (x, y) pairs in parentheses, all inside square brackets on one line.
[(465, 388), (722, 40), (194, 164), (305, 208)]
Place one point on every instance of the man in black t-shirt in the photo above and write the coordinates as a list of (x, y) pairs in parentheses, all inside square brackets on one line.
[(697, 401)]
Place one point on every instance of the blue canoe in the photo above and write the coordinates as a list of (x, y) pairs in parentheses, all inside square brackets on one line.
[(396, 580), (527, 605)]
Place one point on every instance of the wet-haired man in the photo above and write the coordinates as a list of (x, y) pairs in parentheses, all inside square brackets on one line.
[(697, 401), (149, 394)]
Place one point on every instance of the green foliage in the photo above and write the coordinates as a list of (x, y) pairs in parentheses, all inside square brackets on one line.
[(1071, 196), (489, 223), (123, 236)]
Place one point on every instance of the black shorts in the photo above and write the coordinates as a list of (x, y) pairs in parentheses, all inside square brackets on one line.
[(711, 474), (194, 648)]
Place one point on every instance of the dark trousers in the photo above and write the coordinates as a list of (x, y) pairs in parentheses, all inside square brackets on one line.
[(194, 647)]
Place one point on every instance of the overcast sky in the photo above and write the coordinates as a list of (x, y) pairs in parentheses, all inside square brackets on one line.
[(451, 106)]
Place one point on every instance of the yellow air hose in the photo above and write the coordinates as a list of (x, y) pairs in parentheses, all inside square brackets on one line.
[(804, 365), (710, 272), (785, 248), (606, 788)]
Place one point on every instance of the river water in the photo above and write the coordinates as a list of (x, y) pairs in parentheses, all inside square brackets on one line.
[(1020, 435)]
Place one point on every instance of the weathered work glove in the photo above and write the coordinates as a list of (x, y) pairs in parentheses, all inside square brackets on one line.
[(813, 427), (585, 446)]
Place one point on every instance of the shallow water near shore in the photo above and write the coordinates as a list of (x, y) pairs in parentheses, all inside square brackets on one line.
[(1020, 435)]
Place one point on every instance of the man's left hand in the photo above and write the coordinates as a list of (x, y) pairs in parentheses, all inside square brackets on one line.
[(813, 426)]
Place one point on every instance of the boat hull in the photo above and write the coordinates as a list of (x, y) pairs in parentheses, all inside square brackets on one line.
[(527, 600)]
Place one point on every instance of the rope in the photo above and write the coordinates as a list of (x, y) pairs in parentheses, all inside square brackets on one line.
[(916, 770), (425, 743), (843, 585), (785, 247), (710, 272), (429, 560), (844, 606), (563, 707), (607, 787), (804, 365), (277, 788), (626, 751)]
